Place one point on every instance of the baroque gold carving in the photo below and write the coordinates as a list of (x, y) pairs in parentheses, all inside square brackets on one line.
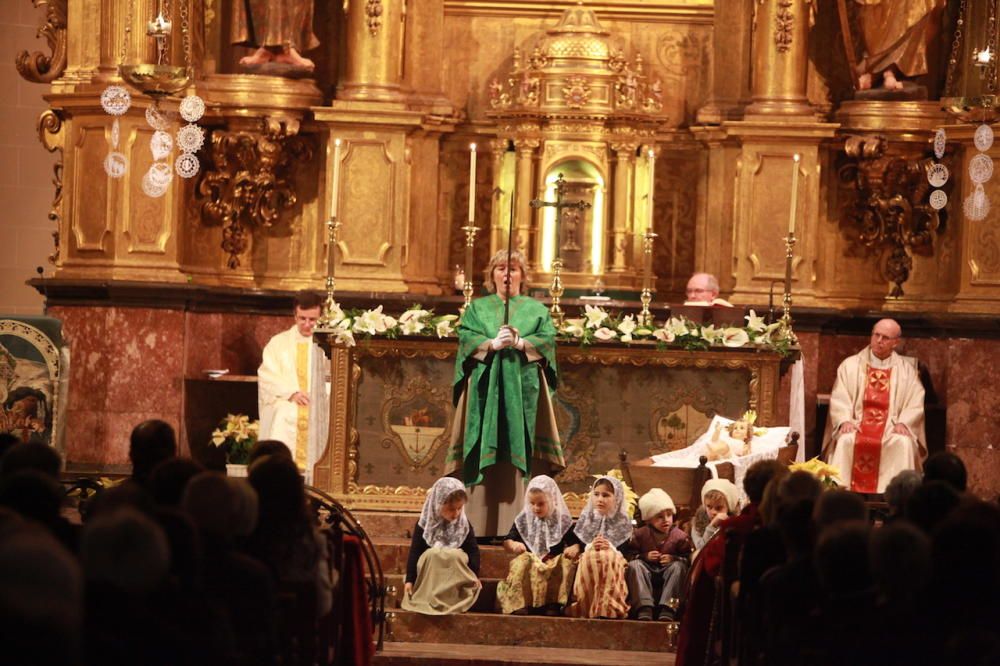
[(373, 16), (887, 212), (416, 419), (784, 22), (38, 67), (249, 183), (50, 134), (576, 92)]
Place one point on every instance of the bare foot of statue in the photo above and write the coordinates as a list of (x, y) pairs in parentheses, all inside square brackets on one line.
[(258, 57), (295, 59), (890, 82), (865, 82)]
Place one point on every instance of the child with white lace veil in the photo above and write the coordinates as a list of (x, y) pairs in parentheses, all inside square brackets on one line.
[(443, 566), (604, 527), (540, 577)]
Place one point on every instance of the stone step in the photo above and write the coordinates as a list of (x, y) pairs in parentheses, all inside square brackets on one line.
[(486, 603), (393, 551), (453, 654), (532, 631)]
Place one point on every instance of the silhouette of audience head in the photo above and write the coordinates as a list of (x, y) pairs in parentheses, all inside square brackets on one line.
[(125, 550), (900, 489), (168, 479), (151, 443), (929, 504), (31, 455), (268, 447), (759, 475), (837, 506), (946, 466)]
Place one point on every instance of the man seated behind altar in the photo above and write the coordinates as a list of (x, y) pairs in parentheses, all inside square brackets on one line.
[(292, 393), (876, 424), (703, 289)]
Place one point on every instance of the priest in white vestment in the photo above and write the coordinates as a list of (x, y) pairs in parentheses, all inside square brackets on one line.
[(876, 424), (292, 388)]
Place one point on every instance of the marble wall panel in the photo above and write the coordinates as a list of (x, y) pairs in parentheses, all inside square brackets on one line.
[(146, 359), (973, 401), (983, 465), (203, 346)]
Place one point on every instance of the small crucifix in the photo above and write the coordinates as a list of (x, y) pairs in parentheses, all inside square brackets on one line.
[(556, 289)]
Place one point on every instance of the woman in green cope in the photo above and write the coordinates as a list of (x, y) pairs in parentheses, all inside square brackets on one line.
[(505, 430)]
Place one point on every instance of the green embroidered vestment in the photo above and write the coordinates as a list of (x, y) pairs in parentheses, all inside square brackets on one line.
[(504, 391)]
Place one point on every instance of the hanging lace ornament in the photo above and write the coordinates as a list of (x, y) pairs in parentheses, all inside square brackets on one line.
[(161, 144), (157, 179), (938, 199), (937, 175), (190, 138), (192, 108), (940, 142), (116, 100), (157, 118), (186, 165), (980, 168), (115, 164), (976, 205), (983, 137)]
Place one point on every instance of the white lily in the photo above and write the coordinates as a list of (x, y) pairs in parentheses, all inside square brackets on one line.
[(345, 336), (411, 326), (573, 327), (626, 327), (444, 329), (754, 323), (735, 337), (711, 334), (605, 333), (412, 314), (595, 316), (336, 314), (677, 327), (664, 335), (370, 322)]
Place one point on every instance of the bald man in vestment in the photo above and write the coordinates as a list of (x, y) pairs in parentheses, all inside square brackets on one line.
[(876, 424)]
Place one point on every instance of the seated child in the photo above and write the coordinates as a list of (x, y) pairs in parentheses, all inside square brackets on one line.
[(718, 501), (658, 554), (540, 577), (441, 572), (603, 527)]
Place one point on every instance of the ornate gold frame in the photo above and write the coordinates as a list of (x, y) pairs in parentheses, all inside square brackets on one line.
[(336, 472)]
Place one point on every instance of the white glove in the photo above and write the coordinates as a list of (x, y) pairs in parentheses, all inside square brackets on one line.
[(505, 338)]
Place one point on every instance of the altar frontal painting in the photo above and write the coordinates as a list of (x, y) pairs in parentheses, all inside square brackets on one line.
[(29, 378)]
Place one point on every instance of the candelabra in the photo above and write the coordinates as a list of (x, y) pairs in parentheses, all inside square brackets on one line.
[(556, 292), (332, 227), (786, 303), (468, 286), (645, 317)]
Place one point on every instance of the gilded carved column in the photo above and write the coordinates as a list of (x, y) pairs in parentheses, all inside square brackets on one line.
[(731, 62), (374, 47), (523, 214), (622, 221), (124, 29), (780, 58)]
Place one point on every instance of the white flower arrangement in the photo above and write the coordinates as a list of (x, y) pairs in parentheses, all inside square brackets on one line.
[(595, 326), (598, 325), (374, 322), (236, 434)]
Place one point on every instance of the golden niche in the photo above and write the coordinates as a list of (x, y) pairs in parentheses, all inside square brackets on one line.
[(573, 103)]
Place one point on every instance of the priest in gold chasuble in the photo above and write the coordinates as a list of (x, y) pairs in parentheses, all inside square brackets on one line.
[(876, 424), (505, 428)]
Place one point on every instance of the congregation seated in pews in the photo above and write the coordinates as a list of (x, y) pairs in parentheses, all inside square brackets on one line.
[(175, 564)]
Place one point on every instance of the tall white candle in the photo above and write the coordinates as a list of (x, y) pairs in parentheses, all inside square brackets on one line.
[(336, 179), (651, 157), (472, 183), (795, 194)]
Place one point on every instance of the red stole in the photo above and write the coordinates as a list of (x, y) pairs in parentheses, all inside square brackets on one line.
[(868, 440)]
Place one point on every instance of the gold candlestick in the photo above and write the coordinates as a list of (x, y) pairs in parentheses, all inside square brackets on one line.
[(468, 288), (645, 317), (786, 303), (556, 292), (332, 226)]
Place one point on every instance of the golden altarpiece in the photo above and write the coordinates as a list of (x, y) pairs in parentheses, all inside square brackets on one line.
[(724, 127)]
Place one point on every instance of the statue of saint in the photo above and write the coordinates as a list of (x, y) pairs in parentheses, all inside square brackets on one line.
[(280, 29), (895, 36)]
